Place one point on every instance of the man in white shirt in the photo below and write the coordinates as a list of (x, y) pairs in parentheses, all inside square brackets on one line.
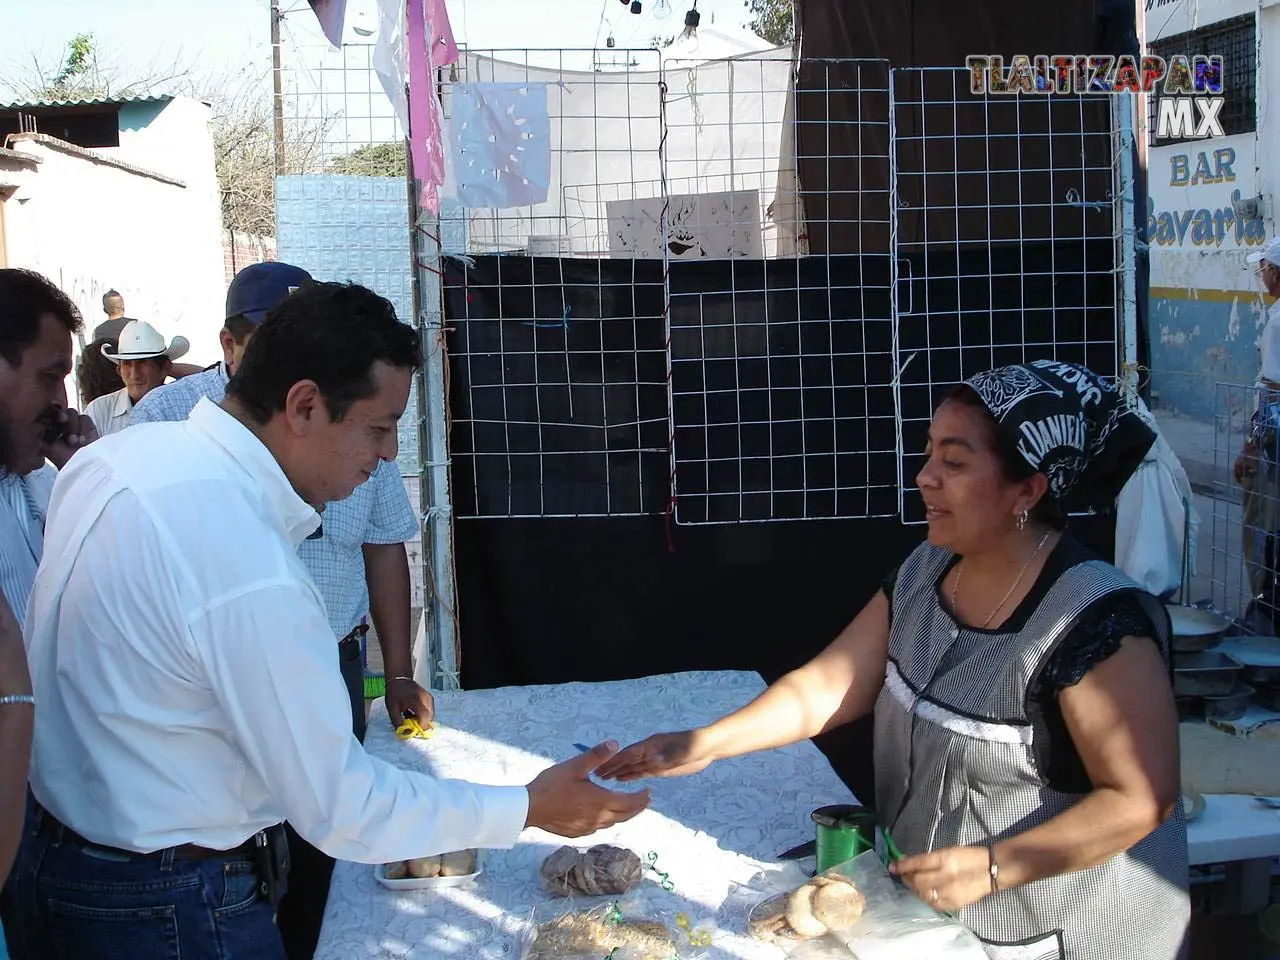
[(1256, 474), (358, 561), (144, 361), (188, 708), (36, 323)]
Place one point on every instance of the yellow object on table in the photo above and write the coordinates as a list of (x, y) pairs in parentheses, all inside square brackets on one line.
[(411, 729), (699, 935)]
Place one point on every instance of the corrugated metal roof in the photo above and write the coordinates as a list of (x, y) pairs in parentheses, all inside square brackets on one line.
[(87, 102)]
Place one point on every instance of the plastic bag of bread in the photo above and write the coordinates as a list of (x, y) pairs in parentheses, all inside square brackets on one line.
[(825, 904), (598, 871), (898, 925), (638, 926), (856, 908)]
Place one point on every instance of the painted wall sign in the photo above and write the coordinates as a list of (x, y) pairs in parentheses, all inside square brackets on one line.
[(1212, 224)]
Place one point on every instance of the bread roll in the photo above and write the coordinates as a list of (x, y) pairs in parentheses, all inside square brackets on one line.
[(425, 867), (460, 863), (838, 906), (396, 871), (800, 912)]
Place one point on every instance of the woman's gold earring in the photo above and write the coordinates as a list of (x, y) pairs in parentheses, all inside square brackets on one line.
[(1022, 520)]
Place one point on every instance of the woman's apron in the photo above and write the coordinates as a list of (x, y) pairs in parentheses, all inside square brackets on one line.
[(955, 765)]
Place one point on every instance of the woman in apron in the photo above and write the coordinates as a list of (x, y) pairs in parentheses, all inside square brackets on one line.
[(1026, 738)]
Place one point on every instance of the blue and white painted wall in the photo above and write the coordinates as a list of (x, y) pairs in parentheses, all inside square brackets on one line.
[(1206, 312), (1206, 307)]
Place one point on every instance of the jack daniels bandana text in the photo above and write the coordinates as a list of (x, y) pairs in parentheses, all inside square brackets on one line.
[(1066, 422)]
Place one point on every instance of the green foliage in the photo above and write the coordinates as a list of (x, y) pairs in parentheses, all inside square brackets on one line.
[(373, 160), (77, 63), (771, 20)]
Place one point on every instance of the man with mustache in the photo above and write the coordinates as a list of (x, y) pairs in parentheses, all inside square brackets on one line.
[(16, 716), (36, 323)]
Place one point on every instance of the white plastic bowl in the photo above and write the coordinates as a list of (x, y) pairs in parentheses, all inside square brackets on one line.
[(427, 883)]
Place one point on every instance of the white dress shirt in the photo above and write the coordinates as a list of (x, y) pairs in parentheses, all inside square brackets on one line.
[(110, 412), (377, 512), (24, 502), (195, 697)]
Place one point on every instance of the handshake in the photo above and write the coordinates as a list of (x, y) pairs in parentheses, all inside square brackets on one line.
[(564, 801)]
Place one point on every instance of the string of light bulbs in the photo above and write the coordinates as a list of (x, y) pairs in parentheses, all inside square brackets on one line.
[(660, 10)]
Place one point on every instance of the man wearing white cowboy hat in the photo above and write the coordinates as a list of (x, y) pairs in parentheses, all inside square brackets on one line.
[(144, 361)]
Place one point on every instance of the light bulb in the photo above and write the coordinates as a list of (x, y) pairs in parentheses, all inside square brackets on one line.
[(691, 20), (661, 10)]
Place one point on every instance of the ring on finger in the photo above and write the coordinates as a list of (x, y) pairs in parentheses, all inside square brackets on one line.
[(933, 894)]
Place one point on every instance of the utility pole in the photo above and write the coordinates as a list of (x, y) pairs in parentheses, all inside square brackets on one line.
[(278, 100)]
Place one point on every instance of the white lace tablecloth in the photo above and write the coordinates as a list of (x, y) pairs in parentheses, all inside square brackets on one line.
[(711, 831)]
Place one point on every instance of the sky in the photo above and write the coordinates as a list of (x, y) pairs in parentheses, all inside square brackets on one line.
[(230, 34)]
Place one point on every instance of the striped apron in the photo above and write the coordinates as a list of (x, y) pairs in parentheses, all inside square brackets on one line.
[(955, 765)]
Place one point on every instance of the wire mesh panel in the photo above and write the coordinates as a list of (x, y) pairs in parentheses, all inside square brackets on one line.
[(541, 153), (558, 387), (1240, 544), (341, 199), (1007, 237), (557, 344), (781, 331), (337, 118)]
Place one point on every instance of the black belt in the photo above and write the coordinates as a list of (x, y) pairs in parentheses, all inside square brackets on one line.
[(186, 851), (267, 850)]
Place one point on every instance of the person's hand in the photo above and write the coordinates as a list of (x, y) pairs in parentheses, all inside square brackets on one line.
[(405, 696), (947, 879), (1246, 464), (563, 801), (77, 431), (662, 755)]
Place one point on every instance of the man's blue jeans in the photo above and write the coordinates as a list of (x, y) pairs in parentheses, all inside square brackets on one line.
[(69, 902)]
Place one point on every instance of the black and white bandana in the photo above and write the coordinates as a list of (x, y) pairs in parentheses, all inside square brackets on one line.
[(1068, 423)]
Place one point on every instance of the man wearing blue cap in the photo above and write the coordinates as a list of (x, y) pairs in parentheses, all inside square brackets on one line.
[(358, 562)]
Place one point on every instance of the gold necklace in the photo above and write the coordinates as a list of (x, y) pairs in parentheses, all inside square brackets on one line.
[(955, 587)]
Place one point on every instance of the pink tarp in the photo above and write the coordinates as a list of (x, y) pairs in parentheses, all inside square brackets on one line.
[(430, 46)]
